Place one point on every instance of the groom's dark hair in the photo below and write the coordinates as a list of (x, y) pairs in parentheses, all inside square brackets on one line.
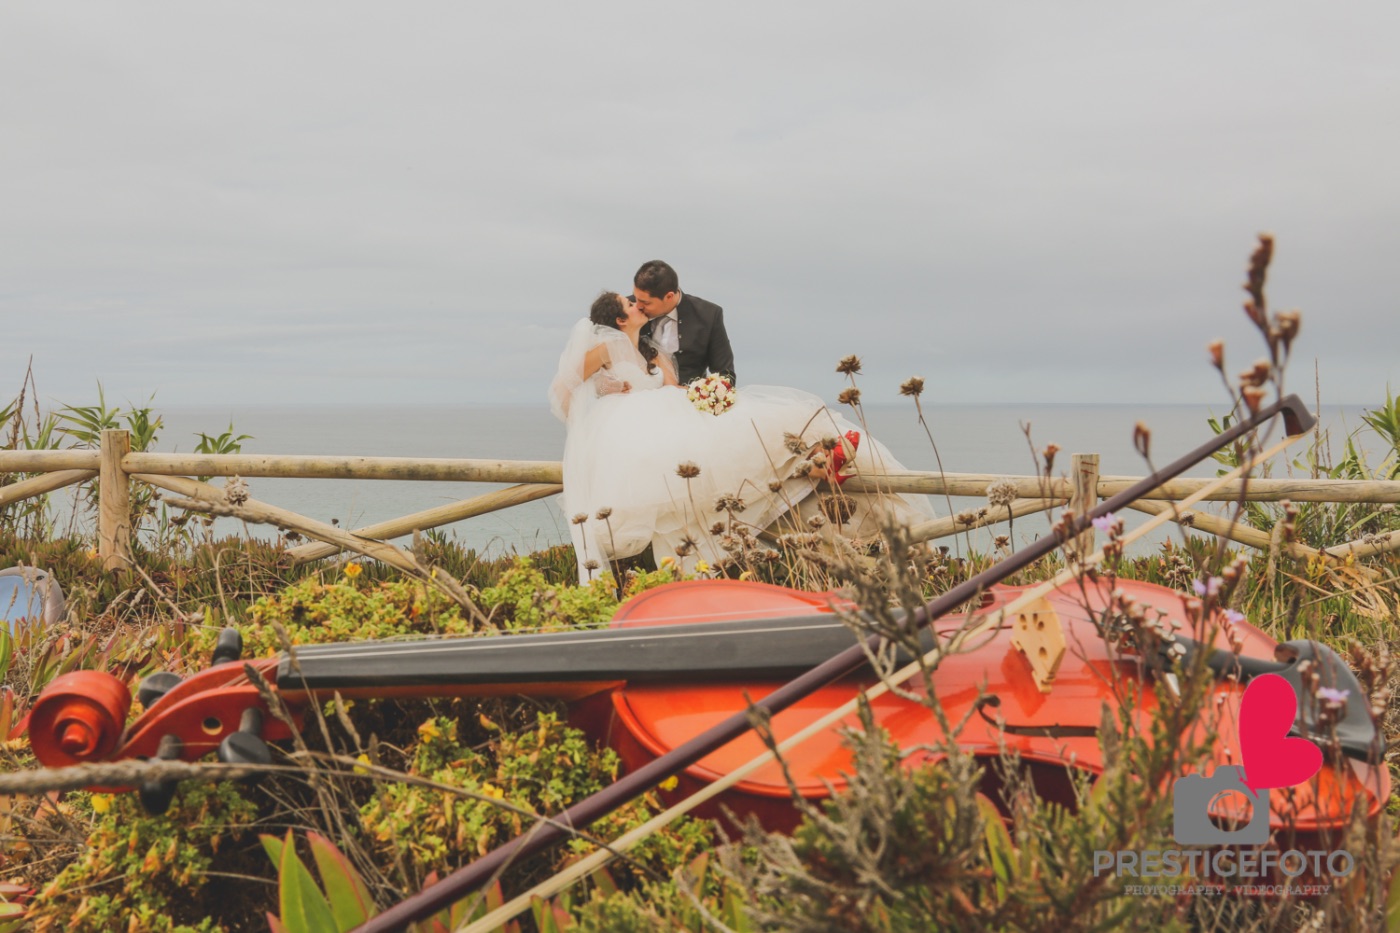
[(657, 279)]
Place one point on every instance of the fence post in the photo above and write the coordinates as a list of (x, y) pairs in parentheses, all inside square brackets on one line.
[(1084, 494), (114, 502)]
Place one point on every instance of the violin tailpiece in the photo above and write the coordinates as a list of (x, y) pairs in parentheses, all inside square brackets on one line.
[(1040, 636)]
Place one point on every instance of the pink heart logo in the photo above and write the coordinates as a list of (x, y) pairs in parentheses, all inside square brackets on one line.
[(1271, 757)]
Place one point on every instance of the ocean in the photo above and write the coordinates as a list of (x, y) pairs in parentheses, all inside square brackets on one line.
[(970, 439)]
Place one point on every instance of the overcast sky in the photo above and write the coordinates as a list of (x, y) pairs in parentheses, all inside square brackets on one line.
[(321, 202)]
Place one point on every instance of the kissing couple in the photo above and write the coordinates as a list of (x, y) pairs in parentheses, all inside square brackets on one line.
[(645, 467)]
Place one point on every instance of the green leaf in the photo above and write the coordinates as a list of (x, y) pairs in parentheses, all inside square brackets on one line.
[(7, 649), (999, 846), (549, 916), (350, 900), (304, 908), (1392, 905)]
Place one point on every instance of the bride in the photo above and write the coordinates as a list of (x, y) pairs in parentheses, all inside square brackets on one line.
[(643, 466)]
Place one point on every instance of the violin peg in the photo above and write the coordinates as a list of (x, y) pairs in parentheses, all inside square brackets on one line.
[(154, 686), (228, 648), (244, 748), (156, 795)]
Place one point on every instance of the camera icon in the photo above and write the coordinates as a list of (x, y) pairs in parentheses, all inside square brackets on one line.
[(1192, 797)]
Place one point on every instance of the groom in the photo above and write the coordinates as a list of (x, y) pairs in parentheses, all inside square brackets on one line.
[(690, 329)]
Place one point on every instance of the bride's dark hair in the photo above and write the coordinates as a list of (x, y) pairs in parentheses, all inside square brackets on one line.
[(607, 311)]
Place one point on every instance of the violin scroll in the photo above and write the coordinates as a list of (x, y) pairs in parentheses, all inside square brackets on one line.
[(79, 718)]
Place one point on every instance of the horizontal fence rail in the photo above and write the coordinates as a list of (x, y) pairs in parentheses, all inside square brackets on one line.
[(1258, 490), (117, 466)]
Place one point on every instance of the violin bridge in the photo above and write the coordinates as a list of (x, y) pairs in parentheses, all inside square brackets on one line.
[(1040, 636)]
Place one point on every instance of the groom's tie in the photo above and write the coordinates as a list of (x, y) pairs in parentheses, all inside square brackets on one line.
[(667, 337)]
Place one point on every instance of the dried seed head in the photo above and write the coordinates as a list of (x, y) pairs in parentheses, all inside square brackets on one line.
[(729, 504), (236, 490), (793, 442), (965, 518), (579, 519), (687, 470), (1254, 314), (1048, 455), (775, 485), (838, 508), (1002, 542), (685, 548), (590, 564), (1216, 348), (1001, 493), (830, 443), (816, 522), (1289, 323), (1258, 375), (850, 396), (849, 366), (914, 386), (604, 513), (717, 528), (1253, 398), (1142, 440)]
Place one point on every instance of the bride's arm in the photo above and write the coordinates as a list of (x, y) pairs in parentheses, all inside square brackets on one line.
[(668, 372), (594, 360)]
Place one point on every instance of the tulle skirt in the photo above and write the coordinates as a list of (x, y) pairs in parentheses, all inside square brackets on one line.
[(648, 469)]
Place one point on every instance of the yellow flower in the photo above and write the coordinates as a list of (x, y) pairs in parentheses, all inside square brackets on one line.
[(670, 783), (93, 554), (364, 760), (701, 567), (353, 570), (668, 562), (491, 790), (428, 730), (101, 803), (746, 575)]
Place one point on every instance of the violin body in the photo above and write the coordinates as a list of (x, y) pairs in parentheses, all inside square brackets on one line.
[(1052, 732), (682, 657)]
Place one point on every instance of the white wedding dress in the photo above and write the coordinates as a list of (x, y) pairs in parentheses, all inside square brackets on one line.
[(623, 452)]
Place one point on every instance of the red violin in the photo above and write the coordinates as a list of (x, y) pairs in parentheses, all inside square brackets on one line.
[(1038, 685)]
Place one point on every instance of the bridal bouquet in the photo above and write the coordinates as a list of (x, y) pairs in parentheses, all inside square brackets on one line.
[(713, 393)]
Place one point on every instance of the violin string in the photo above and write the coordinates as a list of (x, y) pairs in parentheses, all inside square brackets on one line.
[(553, 885)]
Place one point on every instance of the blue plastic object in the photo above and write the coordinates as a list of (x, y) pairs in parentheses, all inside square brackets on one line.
[(28, 593)]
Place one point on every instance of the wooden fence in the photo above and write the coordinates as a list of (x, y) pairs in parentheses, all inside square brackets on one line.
[(116, 467)]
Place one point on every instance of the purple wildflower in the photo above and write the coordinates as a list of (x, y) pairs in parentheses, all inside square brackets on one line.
[(1207, 587), (1333, 695), (1104, 523), (1234, 616)]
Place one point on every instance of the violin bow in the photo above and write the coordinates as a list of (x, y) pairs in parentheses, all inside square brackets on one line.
[(470, 878)]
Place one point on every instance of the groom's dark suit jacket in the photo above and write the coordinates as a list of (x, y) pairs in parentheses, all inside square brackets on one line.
[(704, 344)]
